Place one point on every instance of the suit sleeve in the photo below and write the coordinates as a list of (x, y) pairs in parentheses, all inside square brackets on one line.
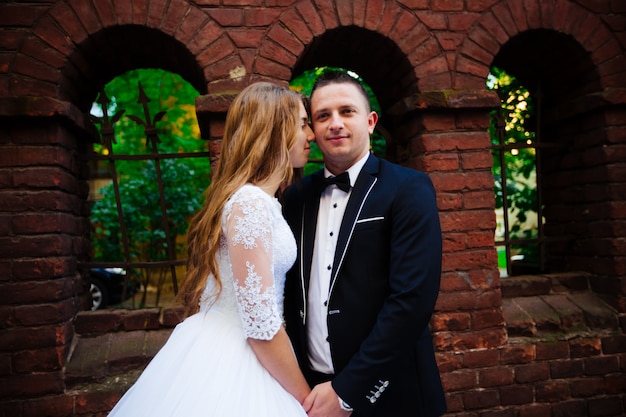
[(415, 254)]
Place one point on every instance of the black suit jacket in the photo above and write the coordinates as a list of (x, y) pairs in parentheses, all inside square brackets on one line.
[(384, 286)]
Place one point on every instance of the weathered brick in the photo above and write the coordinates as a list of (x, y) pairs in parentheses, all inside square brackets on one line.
[(519, 16), (96, 403), (601, 365), (36, 292), (294, 24), (50, 405), (566, 368), (447, 5), (512, 354), (535, 410), (38, 360), (607, 406), (454, 402), (43, 268), (470, 340), (32, 315), (68, 22), (615, 383), (552, 350), (33, 385), (98, 322), (461, 22), (449, 361), (465, 182), (143, 319), (532, 373), (552, 391), (495, 377), (574, 408), (474, 399), (581, 348), (483, 358), (388, 18), (451, 321), (286, 40), (459, 380), (124, 12), (194, 20), (614, 344), (327, 13), (493, 26), (476, 160), (586, 387), (313, 20), (516, 394), (469, 260), (487, 318), (277, 53), (441, 162)]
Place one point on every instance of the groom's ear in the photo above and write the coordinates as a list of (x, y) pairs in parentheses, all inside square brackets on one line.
[(372, 119)]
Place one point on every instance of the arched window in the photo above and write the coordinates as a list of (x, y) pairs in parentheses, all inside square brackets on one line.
[(149, 171)]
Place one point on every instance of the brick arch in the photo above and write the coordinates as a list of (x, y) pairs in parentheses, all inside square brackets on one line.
[(509, 18), (356, 35), (77, 45), (558, 65), (578, 63)]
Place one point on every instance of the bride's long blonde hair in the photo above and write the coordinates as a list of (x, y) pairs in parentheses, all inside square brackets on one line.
[(261, 127)]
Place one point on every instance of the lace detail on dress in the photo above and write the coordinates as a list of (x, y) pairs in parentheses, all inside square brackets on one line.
[(257, 249), (254, 224), (257, 306)]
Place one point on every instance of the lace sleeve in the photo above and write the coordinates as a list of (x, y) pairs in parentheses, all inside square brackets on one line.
[(249, 235)]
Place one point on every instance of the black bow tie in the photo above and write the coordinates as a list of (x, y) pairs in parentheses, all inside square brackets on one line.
[(342, 181)]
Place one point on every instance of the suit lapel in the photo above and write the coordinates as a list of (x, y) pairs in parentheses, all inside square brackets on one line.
[(362, 187)]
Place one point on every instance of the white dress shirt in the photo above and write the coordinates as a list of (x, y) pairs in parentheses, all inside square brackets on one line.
[(333, 203)]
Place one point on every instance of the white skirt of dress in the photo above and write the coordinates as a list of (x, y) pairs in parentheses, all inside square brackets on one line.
[(208, 369)]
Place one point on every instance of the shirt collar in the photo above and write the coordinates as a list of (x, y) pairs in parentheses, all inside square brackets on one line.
[(353, 171)]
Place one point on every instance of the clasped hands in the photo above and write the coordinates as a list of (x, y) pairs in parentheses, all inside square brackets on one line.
[(323, 402)]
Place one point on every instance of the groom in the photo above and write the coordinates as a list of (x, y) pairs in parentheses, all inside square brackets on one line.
[(362, 291)]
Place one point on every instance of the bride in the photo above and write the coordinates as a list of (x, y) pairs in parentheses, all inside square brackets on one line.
[(231, 355)]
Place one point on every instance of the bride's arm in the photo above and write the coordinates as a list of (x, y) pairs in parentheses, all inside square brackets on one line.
[(278, 358), (249, 236)]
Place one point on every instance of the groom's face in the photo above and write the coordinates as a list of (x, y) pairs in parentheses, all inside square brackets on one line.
[(342, 123)]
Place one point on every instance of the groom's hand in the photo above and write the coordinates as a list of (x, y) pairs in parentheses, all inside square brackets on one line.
[(324, 402)]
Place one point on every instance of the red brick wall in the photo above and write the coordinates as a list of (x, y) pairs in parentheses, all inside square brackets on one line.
[(427, 61)]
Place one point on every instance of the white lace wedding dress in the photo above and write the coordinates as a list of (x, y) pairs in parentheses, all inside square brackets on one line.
[(207, 368)]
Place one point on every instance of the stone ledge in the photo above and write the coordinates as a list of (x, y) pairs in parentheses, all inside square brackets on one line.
[(555, 305), (91, 323), (446, 99)]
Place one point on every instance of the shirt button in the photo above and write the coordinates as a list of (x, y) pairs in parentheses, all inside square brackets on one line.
[(331, 233), (329, 267), (335, 205)]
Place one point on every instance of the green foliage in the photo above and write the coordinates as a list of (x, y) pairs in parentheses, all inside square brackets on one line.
[(177, 129), (510, 132), (142, 214), (303, 83), (183, 179)]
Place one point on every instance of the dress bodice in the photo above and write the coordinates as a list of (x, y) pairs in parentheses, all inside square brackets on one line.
[(256, 250)]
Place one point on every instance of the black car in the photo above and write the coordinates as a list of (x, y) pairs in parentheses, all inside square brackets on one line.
[(107, 285)]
